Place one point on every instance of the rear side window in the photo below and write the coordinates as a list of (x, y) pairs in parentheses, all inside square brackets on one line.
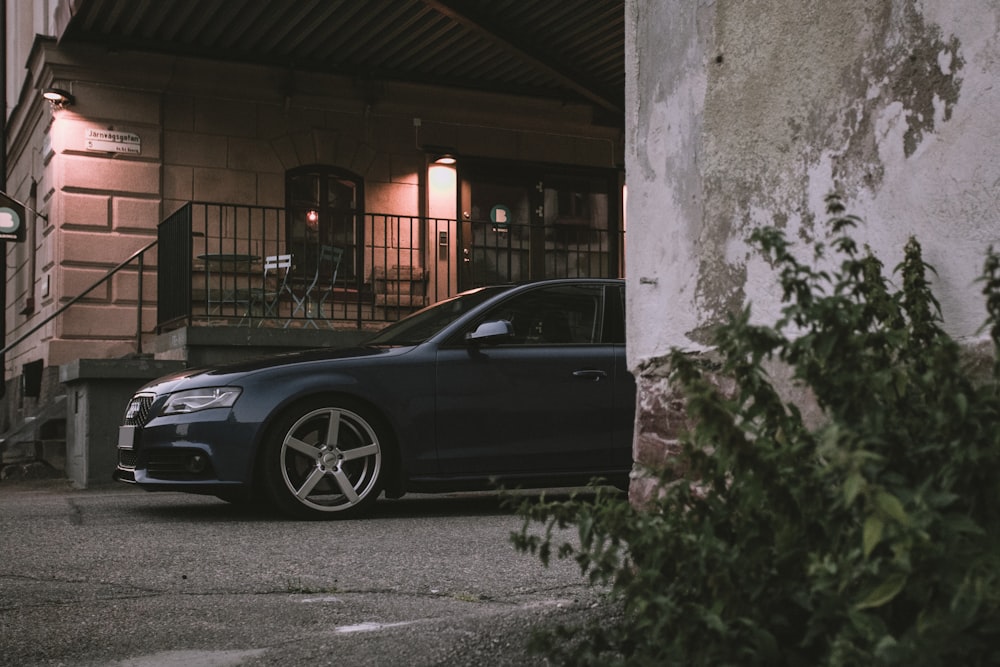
[(614, 315)]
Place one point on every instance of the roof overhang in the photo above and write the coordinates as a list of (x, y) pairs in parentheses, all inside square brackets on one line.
[(571, 50)]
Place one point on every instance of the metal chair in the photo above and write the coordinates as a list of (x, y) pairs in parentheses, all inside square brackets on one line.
[(327, 264), (274, 284), (330, 256)]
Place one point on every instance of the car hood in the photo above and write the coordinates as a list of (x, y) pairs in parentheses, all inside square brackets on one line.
[(229, 373)]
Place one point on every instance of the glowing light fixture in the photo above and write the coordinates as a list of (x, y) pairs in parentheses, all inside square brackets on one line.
[(445, 158), (59, 98), (312, 219)]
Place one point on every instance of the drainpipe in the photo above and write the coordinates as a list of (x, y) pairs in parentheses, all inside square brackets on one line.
[(3, 188)]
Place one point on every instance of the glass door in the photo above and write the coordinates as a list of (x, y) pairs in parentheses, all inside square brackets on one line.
[(324, 210), (531, 222)]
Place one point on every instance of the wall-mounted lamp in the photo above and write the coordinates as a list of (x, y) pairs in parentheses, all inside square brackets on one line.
[(440, 155), (58, 98)]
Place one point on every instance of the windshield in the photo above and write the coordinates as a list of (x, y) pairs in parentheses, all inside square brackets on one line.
[(423, 324)]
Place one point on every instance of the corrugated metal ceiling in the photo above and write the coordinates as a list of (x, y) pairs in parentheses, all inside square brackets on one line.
[(567, 49)]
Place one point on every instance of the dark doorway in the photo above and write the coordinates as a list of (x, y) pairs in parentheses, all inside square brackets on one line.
[(325, 208)]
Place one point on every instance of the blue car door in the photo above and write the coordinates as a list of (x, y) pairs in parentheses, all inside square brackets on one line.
[(541, 402)]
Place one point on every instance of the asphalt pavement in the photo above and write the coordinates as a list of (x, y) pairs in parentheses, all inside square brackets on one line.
[(116, 576)]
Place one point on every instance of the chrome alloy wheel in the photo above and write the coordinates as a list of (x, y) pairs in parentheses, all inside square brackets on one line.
[(331, 461)]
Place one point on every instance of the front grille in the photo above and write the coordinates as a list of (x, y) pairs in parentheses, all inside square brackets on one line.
[(126, 458), (137, 412)]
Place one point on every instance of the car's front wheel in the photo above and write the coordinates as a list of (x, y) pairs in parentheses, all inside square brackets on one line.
[(325, 458)]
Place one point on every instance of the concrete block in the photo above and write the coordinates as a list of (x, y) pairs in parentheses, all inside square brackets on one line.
[(99, 390), (327, 145), (253, 155), (305, 147), (545, 148), (195, 149), (224, 117), (225, 186), (74, 280), (392, 197), (85, 172), (89, 248), (64, 351), (125, 288), (132, 213), (271, 190), (178, 113), (284, 149), (86, 320), (405, 168), (123, 105), (178, 183), (86, 210), (362, 159)]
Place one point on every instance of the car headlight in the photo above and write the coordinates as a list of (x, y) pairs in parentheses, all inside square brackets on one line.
[(193, 400)]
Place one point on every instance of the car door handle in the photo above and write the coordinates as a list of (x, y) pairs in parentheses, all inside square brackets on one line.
[(590, 374)]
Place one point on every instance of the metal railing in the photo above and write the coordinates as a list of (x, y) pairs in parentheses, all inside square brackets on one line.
[(212, 258), (137, 256)]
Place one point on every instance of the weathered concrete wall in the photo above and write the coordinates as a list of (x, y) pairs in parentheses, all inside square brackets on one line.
[(742, 114)]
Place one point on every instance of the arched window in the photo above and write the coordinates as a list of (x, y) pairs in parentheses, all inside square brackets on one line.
[(325, 207)]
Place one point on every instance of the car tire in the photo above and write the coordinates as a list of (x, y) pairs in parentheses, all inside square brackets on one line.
[(325, 458)]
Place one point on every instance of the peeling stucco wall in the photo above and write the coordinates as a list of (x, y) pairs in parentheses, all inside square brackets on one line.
[(741, 114)]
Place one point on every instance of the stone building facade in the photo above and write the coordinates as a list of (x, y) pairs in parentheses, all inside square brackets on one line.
[(146, 132)]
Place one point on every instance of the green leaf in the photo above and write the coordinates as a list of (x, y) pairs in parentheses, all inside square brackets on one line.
[(852, 487), (872, 534), (884, 592), (585, 525), (890, 505), (964, 524), (714, 622)]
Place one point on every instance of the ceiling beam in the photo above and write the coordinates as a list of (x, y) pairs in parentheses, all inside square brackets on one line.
[(566, 79)]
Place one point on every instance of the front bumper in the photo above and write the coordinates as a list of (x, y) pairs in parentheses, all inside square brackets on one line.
[(205, 455)]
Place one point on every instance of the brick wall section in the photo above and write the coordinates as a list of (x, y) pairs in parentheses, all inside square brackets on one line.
[(662, 418), (660, 422)]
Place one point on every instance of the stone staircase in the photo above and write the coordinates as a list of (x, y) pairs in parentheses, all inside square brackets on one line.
[(35, 448)]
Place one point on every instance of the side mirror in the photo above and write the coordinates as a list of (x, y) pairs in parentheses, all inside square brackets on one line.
[(491, 332)]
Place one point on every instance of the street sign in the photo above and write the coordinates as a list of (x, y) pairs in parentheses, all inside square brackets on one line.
[(112, 141), (11, 219)]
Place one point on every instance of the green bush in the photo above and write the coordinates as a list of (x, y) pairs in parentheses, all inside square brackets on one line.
[(871, 539)]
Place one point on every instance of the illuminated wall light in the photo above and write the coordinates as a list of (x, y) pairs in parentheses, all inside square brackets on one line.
[(59, 98), (312, 219)]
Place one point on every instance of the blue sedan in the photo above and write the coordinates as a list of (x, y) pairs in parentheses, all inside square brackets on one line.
[(500, 386)]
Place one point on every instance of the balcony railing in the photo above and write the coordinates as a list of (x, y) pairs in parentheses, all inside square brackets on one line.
[(219, 265)]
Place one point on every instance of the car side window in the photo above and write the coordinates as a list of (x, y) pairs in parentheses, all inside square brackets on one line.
[(614, 315), (552, 315)]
